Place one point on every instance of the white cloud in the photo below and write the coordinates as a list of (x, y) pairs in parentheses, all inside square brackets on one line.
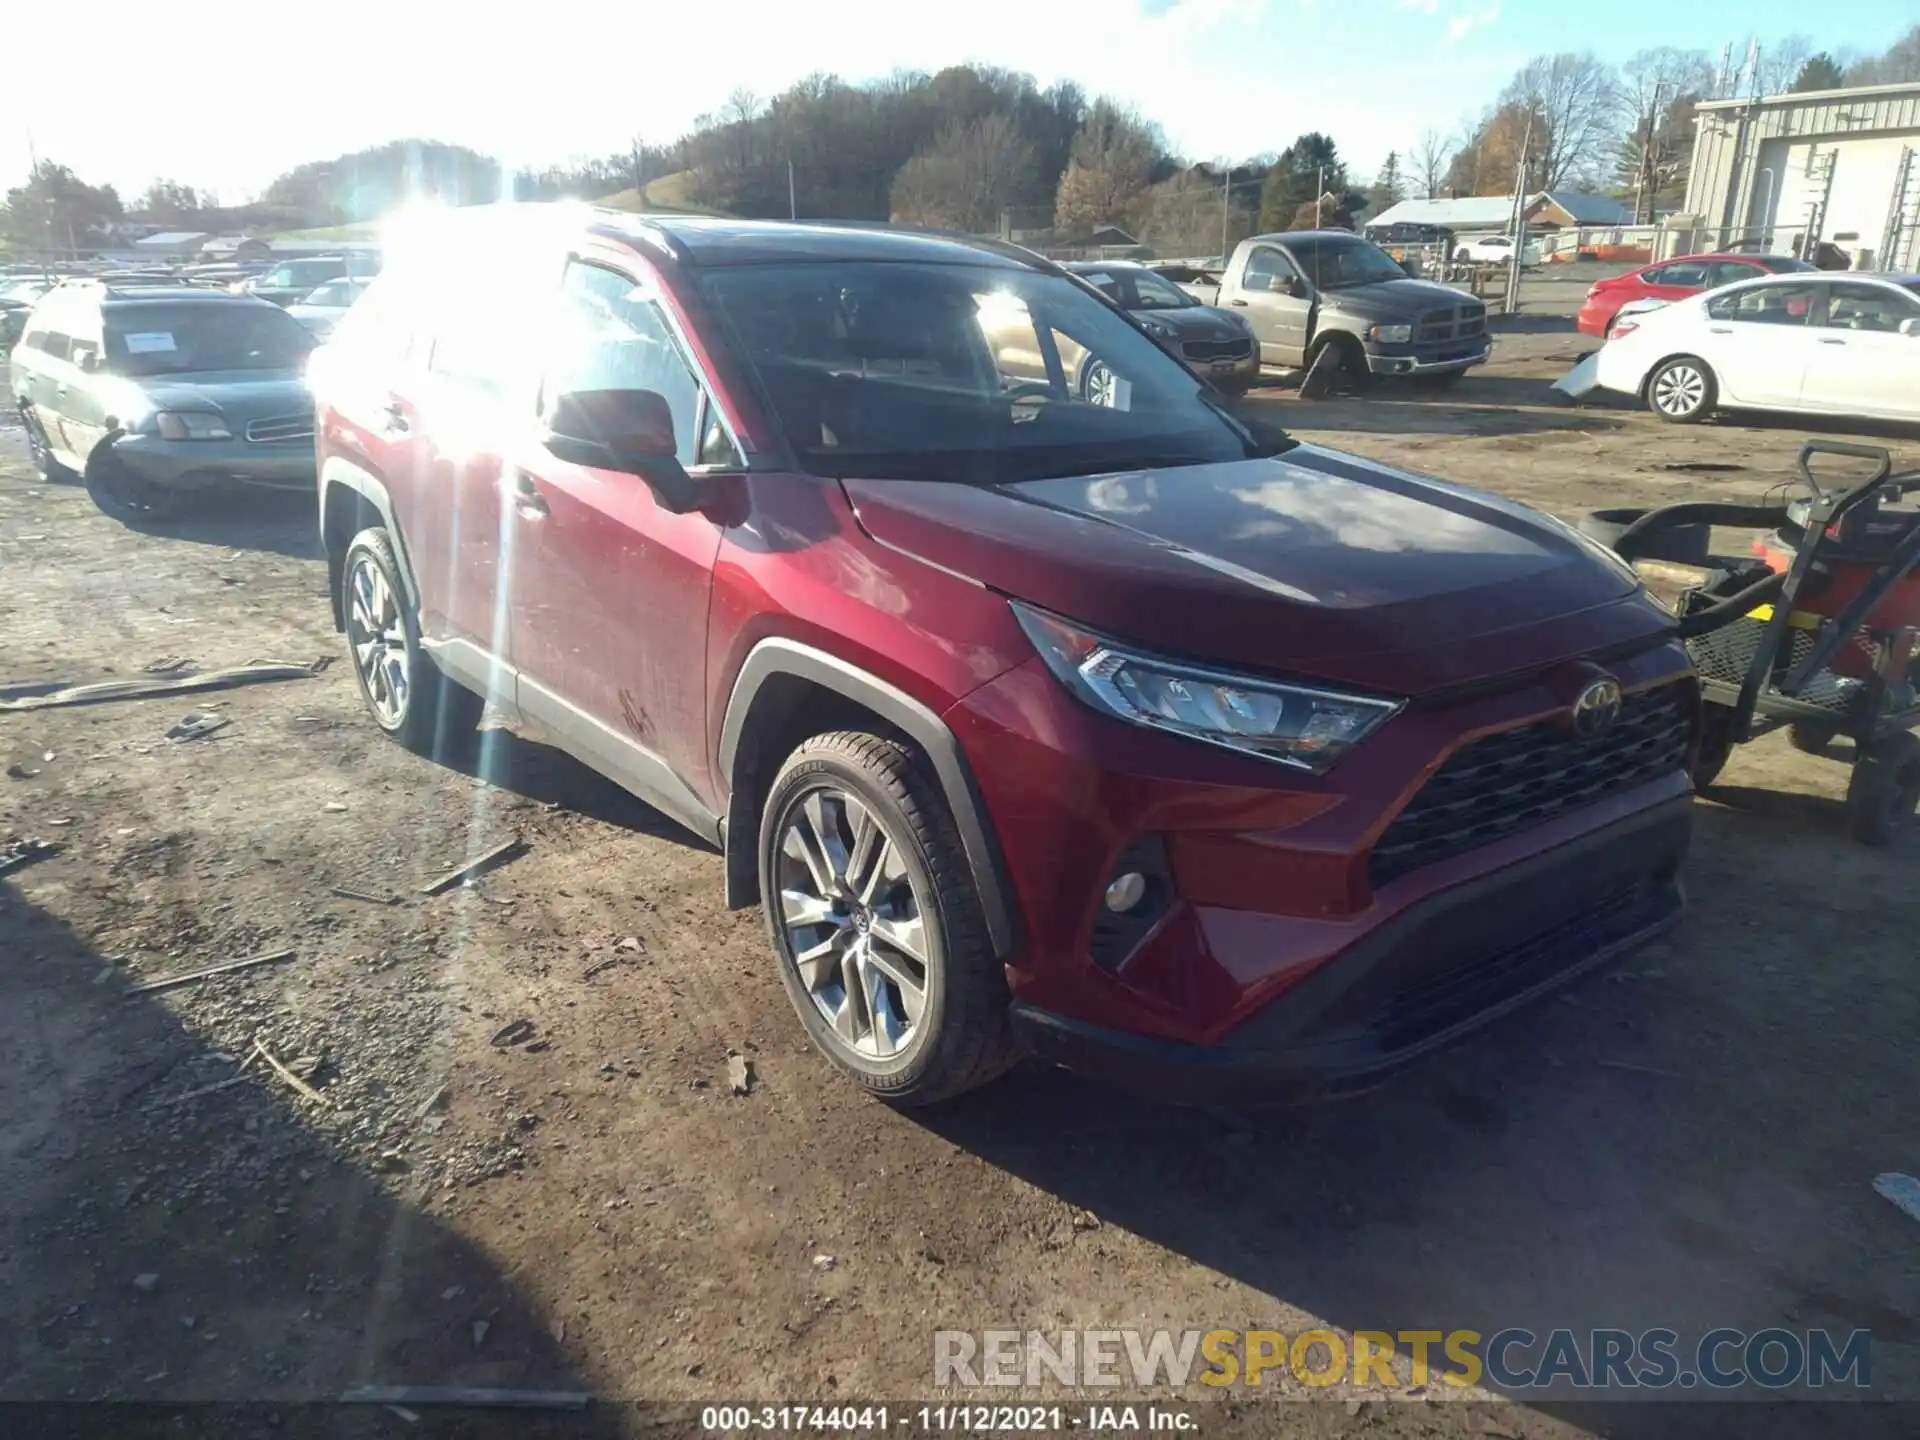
[(1467, 21)]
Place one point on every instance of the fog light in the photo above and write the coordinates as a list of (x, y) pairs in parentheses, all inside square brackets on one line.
[(1126, 892)]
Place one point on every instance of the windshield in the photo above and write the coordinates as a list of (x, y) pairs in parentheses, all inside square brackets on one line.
[(973, 373), (1333, 262), (1155, 293), (337, 294), (178, 339)]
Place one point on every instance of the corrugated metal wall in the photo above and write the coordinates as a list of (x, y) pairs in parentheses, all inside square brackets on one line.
[(1749, 159)]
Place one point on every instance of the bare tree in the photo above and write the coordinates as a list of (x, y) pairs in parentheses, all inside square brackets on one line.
[(971, 174), (1430, 155), (1574, 101), (1108, 169), (1659, 90), (1899, 65), (1780, 64)]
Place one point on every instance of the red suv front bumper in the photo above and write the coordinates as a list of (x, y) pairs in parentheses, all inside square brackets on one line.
[(1309, 934)]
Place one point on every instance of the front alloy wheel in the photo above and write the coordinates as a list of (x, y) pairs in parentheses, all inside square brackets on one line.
[(408, 696), (1100, 386), (875, 921), (854, 924)]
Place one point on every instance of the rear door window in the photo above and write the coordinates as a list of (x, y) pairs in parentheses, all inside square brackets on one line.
[(1853, 306)]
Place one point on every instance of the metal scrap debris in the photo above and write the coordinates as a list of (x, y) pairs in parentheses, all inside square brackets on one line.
[(477, 866), (167, 982), (740, 1075), (101, 691), (348, 893), (305, 1090), (196, 724), (514, 1034), (18, 854)]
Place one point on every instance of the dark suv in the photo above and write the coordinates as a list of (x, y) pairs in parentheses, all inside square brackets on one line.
[(1118, 733)]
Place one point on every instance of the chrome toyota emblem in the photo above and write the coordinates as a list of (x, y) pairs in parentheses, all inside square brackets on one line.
[(1596, 709)]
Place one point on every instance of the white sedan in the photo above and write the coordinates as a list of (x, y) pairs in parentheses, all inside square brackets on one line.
[(1496, 250), (321, 310), (1812, 344)]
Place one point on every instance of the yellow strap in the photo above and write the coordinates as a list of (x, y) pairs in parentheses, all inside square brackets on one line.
[(1799, 619)]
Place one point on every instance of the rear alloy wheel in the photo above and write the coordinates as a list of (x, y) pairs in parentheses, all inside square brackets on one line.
[(403, 689), (880, 936), (1885, 790), (131, 499), (1681, 390), (1099, 385), (41, 452)]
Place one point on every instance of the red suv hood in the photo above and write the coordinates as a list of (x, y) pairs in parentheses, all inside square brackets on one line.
[(1310, 563)]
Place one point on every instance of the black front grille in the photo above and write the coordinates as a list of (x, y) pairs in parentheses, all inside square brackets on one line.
[(280, 427), (1512, 780), (1456, 324), (1217, 349)]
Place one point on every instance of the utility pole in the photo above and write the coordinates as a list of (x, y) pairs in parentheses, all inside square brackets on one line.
[(1644, 183), (1226, 192), (639, 178), (793, 209), (1519, 228), (1319, 189)]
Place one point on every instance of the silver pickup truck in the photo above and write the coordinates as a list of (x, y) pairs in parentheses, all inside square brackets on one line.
[(1329, 296)]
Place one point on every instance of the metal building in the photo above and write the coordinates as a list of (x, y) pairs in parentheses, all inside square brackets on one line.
[(1788, 171)]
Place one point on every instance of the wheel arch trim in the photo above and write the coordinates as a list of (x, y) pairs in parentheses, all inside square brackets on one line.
[(778, 657), (344, 473)]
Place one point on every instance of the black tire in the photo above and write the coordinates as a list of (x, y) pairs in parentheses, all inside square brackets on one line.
[(437, 717), (50, 469), (962, 1037), (1336, 364), (1681, 545), (1682, 391), (1716, 744), (1885, 790), (1810, 739), (133, 500)]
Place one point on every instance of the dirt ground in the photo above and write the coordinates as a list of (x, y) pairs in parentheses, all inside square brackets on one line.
[(1688, 1141)]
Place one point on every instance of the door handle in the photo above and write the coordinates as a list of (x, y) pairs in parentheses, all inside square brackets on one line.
[(1825, 341), (397, 422), (1720, 329), (1237, 301), (527, 498)]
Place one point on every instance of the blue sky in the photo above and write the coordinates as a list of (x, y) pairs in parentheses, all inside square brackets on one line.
[(536, 83)]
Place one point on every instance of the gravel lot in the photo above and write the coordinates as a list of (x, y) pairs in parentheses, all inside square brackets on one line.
[(1688, 1142)]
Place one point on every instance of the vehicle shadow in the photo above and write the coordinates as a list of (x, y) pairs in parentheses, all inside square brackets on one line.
[(174, 1243), (278, 522), (1638, 1153), (537, 771)]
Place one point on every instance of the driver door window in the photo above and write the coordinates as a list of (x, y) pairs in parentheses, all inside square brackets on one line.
[(1766, 305), (613, 337), (1267, 269)]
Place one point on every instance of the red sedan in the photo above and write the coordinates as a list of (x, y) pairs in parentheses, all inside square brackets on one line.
[(1675, 280)]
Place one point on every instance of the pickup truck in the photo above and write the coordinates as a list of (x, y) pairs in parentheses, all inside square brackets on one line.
[(1328, 296)]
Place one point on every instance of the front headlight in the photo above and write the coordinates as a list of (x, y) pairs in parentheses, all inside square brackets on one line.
[(1296, 725), (1157, 329), (1391, 334), (191, 425)]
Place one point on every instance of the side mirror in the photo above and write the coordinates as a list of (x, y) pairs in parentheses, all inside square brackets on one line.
[(87, 361), (1910, 327), (626, 430), (1296, 287)]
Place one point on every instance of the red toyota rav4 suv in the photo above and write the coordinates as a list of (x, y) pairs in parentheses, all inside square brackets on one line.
[(1108, 730)]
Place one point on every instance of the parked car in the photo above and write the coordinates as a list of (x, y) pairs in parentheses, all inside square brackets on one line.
[(1802, 343), (1309, 291), (152, 394), (291, 280), (1213, 343), (17, 298), (321, 310), (1675, 280), (1496, 250), (1122, 734)]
